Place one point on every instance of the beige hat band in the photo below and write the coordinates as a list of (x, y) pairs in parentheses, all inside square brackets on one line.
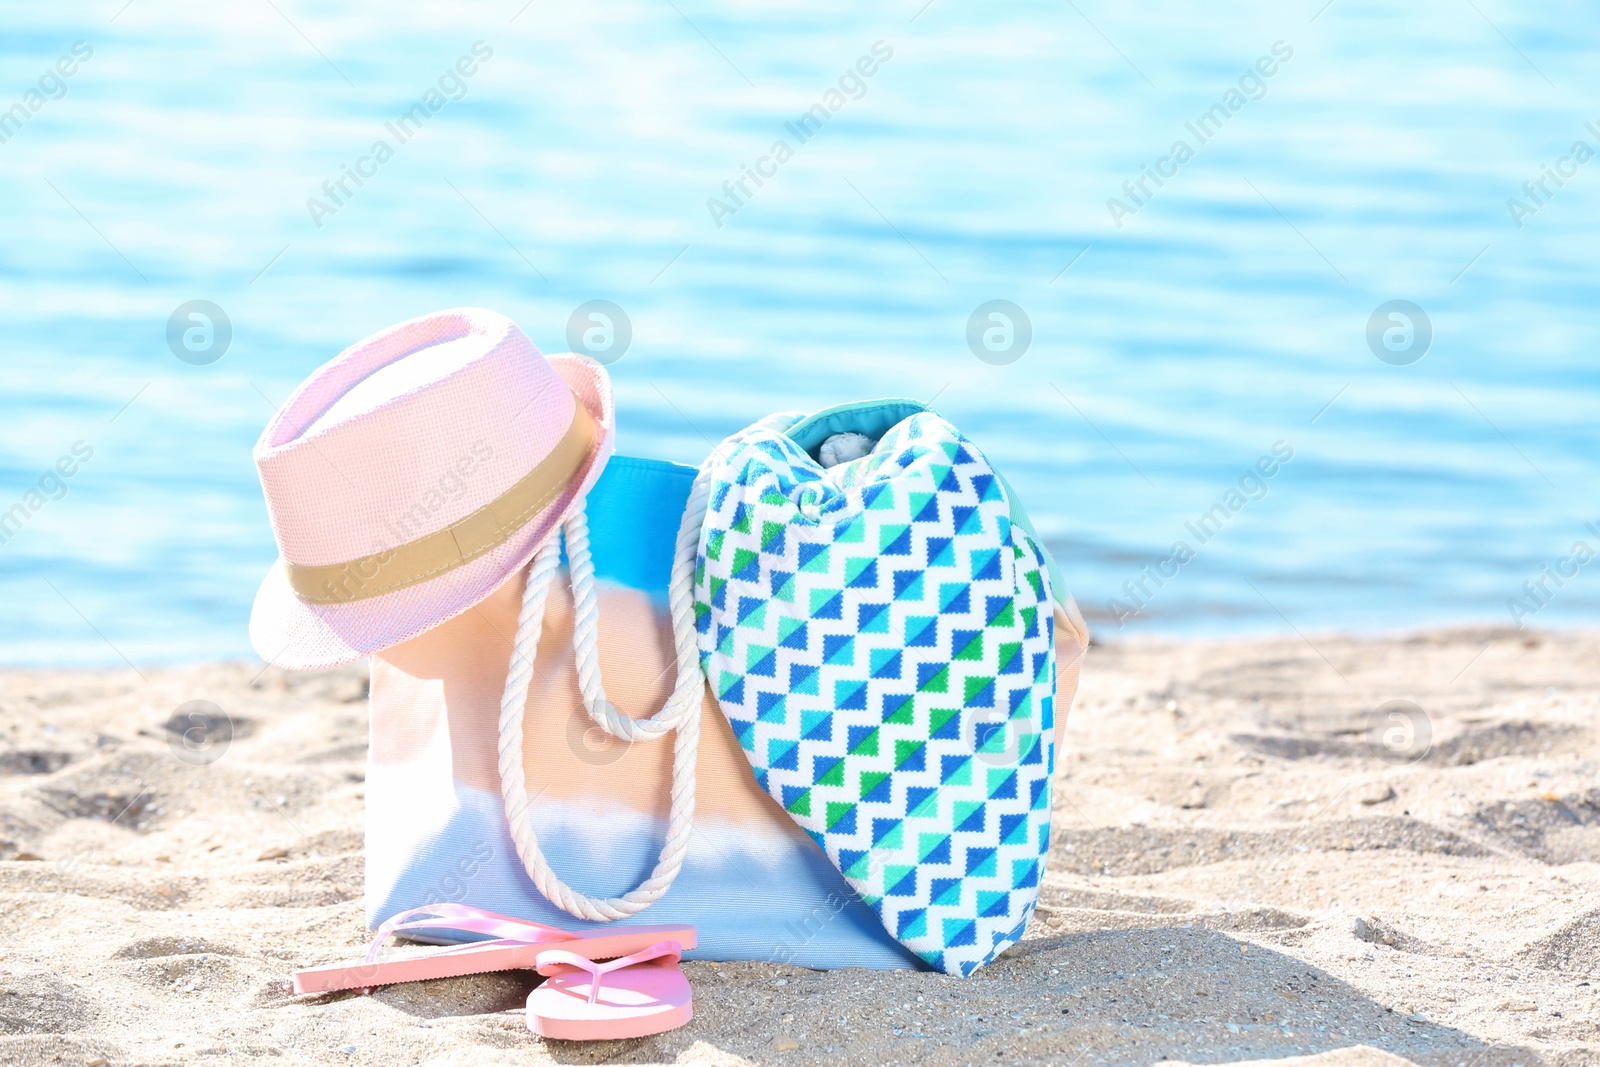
[(462, 541)]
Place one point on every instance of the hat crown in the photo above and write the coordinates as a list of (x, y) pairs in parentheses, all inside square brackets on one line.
[(407, 432)]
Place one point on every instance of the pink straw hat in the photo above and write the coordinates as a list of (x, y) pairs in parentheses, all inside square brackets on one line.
[(412, 475)]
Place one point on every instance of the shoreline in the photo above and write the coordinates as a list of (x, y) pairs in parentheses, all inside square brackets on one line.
[(1242, 868), (1102, 627)]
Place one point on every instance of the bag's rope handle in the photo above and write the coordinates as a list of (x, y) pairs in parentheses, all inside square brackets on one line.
[(684, 700), (681, 712)]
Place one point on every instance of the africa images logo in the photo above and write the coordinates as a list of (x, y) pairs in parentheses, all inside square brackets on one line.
[(52, 85), (1203, 128), (451, 86), (1537, 192), (852, 81)]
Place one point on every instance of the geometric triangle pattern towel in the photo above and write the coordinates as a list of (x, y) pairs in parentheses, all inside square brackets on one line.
[(878, 635)]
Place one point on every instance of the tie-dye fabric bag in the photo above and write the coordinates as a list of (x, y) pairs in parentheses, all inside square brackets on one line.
[(880, 634), (597, 820)]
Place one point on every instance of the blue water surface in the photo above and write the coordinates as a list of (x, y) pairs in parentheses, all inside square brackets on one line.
[(1178, 335)]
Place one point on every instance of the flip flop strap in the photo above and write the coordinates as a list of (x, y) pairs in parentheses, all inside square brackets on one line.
[(556, 960), (468, 919)]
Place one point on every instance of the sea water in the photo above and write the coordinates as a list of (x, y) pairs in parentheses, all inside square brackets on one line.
[(1195, 218)]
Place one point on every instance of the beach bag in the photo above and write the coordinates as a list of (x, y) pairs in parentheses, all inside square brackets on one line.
[(880, 635), (441, 759), (500, 789)]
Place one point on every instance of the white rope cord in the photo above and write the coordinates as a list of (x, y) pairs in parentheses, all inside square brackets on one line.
[(681, 711), (686, 693)]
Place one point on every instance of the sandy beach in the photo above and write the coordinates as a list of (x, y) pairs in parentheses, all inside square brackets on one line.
[(1248, 864)]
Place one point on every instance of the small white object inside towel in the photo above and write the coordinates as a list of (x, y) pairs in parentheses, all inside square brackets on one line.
[(844, 447)]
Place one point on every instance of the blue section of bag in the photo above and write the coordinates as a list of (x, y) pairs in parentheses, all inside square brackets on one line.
[(634, 510)]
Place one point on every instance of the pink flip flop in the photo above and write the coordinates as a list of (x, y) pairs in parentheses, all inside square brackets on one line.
[(517, 944), (645, 993)]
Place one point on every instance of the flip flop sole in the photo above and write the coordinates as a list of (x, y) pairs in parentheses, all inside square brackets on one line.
[(603, 944), (614, 1030), (633, 1002)]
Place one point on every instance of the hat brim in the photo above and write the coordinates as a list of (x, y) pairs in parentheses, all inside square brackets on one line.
[(290, 633)]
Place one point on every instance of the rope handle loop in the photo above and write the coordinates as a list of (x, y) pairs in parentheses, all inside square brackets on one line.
[(680, 712)]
